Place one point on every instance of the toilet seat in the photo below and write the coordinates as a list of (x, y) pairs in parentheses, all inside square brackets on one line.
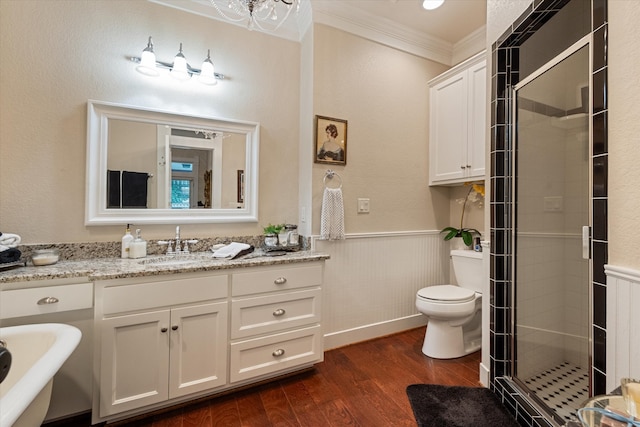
[(446, 294)]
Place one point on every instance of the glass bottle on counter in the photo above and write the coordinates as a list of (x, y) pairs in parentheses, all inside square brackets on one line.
[(292, 235)]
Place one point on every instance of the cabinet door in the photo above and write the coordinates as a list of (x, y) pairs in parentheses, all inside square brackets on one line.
[(134, 361), (477, 120), (448, 129), (198, 348)]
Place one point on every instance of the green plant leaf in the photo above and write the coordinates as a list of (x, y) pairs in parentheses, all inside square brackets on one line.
[(467, 237), (451, 233)]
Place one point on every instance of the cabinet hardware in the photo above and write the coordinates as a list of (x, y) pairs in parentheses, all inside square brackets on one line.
[(174, 328), (468, 166), (279, 312), (462, 167), (48, 300), (279, 352), (163, 330), (280, 281)]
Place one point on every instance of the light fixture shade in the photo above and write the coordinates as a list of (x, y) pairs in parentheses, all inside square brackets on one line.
[(207, 74), (148, 61), (432, 4), (179, 69)]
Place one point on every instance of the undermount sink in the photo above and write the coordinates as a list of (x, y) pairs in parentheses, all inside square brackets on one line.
[(176, 260)]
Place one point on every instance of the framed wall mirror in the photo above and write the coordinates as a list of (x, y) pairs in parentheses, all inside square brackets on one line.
[(148, 166)]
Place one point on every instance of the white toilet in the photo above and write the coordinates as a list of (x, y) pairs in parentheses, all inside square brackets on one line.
[(455, 324)]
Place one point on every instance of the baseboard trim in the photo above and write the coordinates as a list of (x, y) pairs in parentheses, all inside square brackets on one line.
[(484, 375), (375, 330)]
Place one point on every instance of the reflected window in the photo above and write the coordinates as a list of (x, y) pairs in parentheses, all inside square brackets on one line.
[(182, 185)]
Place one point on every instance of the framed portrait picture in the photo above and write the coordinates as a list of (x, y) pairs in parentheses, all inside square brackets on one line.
[(331, 141)]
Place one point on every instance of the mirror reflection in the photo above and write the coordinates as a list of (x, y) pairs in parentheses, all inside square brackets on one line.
[(154, 166), (168, 167)]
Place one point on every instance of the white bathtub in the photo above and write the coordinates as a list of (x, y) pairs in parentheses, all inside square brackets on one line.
[(37, 351)]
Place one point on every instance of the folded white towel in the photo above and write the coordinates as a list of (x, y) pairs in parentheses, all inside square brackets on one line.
[(8, 241), (332, 215), (231, 250)]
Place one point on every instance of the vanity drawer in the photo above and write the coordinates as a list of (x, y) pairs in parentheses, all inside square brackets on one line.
[(276, 279), (273, 313), (45, 300), (261, 356), (151, 295)]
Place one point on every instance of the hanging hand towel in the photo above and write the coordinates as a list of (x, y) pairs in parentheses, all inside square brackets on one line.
[(332, 216)]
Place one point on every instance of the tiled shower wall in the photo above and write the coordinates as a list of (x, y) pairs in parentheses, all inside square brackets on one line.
[(506, 67)]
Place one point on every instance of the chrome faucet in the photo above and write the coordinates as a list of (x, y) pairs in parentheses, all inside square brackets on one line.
[(179, 247)]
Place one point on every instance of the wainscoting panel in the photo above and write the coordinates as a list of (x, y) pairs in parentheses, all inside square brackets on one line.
[(371, 281), (623, 324)]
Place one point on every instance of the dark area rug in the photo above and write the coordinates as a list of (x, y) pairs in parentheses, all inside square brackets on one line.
[(455, 406)]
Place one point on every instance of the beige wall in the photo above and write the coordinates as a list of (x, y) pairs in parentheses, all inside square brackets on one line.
[(624, 126), (56, 55), (624, 133), (382, 92)]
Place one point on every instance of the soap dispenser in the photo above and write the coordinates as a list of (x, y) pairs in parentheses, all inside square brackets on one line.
[(126, 242), (138, 247)]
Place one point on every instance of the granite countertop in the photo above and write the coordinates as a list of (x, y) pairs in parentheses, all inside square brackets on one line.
[(117, 268)]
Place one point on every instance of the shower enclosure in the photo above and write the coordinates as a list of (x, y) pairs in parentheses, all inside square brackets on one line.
[(551, 159)]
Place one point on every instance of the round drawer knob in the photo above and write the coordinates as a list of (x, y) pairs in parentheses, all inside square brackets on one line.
[(163, 330), (279, 312), (279, 352), (174, 328), (280, 281)]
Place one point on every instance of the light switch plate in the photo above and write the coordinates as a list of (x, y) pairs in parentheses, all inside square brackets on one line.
[(363, 205)]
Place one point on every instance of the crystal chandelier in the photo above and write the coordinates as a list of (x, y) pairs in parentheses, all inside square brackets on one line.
[(257, 12)]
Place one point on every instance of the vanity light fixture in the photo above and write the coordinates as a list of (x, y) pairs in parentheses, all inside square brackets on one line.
[(256, 12), (432, 4), (179, 69)]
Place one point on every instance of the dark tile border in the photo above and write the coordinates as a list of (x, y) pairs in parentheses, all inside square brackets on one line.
[(505, 74)]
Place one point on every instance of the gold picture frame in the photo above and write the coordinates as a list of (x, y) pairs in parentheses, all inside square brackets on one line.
[(331, 141)]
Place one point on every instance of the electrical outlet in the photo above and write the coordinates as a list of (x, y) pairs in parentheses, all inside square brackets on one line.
[(363, 206)]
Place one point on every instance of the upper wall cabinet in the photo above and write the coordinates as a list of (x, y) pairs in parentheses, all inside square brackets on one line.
[(457, 123)]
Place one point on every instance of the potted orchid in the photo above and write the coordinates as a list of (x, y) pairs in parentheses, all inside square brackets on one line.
[(474, 195)]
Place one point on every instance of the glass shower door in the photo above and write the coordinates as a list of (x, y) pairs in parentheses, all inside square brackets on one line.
[(552, 194)]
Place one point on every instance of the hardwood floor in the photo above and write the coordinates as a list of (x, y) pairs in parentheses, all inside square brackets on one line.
[(359, 385)]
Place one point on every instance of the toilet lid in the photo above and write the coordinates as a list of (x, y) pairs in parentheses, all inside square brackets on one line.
[(447, 293)]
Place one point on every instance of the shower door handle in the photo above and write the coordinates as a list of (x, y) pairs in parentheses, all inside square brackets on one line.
[(586, 242)]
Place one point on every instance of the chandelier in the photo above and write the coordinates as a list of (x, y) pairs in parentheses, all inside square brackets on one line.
[(260, 14)]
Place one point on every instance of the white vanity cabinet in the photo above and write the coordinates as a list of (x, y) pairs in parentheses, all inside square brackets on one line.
[(159, 340), (167, 339), (275, 320), (457, 123)]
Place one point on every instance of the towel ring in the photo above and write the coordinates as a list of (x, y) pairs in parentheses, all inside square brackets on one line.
[(330, 175)]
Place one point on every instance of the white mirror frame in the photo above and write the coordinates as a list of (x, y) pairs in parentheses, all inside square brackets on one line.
[(96, 212)]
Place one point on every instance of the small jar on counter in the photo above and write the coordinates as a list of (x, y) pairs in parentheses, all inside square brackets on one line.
[(270, 240), (292, 235), (45, 256)]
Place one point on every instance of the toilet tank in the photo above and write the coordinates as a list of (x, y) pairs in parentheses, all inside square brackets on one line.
[(467, 266)]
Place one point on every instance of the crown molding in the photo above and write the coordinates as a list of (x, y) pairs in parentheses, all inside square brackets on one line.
[(340, 15), (470, 45)]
